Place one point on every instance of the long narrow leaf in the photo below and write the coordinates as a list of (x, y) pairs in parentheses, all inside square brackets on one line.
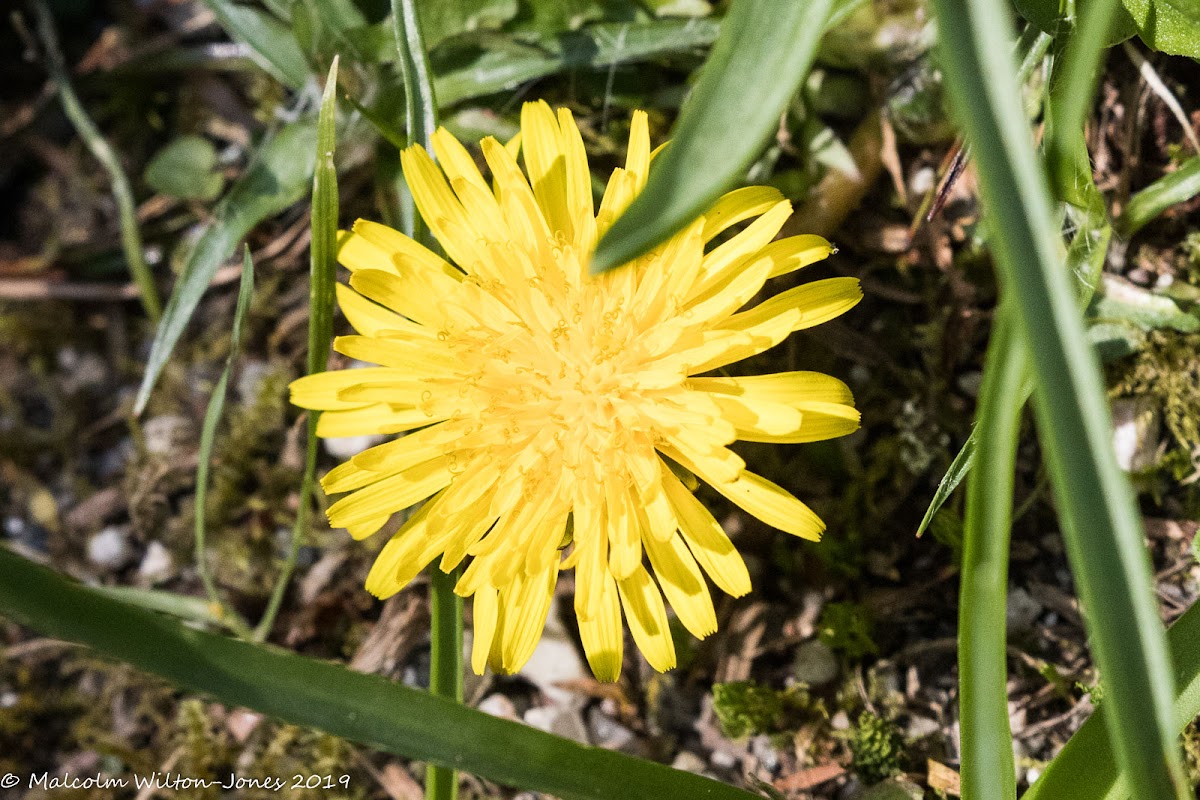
[(765, 44), (1173, 188), (208, 437), (987, 756), (279, 177), (322, 277), (271, 44), (1099, 515), (316, 694), (1085, 769)]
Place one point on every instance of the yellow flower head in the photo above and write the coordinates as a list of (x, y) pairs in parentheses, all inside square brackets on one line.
[(544, 402)]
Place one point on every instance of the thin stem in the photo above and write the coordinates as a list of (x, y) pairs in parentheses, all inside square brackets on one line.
[(446, 668), (131, 237), (987, 757)]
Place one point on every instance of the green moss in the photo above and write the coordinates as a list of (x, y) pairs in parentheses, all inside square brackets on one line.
[(846, 628), (877, 748), (1167, 370), (746, 708)]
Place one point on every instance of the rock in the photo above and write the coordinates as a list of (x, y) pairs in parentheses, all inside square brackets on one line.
[(762, 749), (556, 661), (157, 564), (689, 762), (1023, 610), (840, 721), (163, 435), (1136, 423), (560, 721), (920, 727), (109, 549), (498, 706), (815, 664), (607, 732), (722, 759)]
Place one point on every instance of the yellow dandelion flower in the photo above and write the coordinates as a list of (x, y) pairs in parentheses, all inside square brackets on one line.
[(546, 407)]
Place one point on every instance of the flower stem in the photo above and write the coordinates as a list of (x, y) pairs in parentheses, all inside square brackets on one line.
[(446, 667)]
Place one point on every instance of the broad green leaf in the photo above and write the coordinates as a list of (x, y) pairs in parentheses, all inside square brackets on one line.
[(1173, 188), (593, 47), (447, 18), (316, 694), (1096, 504), (764, 44), (271, 44), (186, 168), (1169, 26), (1050, 16), (1086, 768), (276, 179)]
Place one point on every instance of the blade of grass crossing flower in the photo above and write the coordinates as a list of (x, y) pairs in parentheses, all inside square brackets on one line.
[(420, 102), (208, 436), (364, 708), (767, 44), (445, 607), (322, 277), (131, 237), (1176, 187), (987, 755), (1085, 768), (279, 175), (1098, 512)]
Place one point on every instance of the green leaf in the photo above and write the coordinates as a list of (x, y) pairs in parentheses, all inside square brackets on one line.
[(316, 694), (1169, 26), (208, 436), (1119, 300), (987, 755), (271, 43), (1172, 189), (1097, 507), (958, 470), (447, 18), (186, 168), (321, 298), (764, 44), (1086, 768), (1050, 16), (276, 179), (593, 47)]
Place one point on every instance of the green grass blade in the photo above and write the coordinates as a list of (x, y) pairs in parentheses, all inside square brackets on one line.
[(131, 237), (987, 755), (208, 436), (592, 47), (322, 277), (1176, 187), (317, 694), (1096, 504), (1085, 769), (445, 607), (765, 44), (279, 176), (1071, 93), (958, 470), (271, 43)]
